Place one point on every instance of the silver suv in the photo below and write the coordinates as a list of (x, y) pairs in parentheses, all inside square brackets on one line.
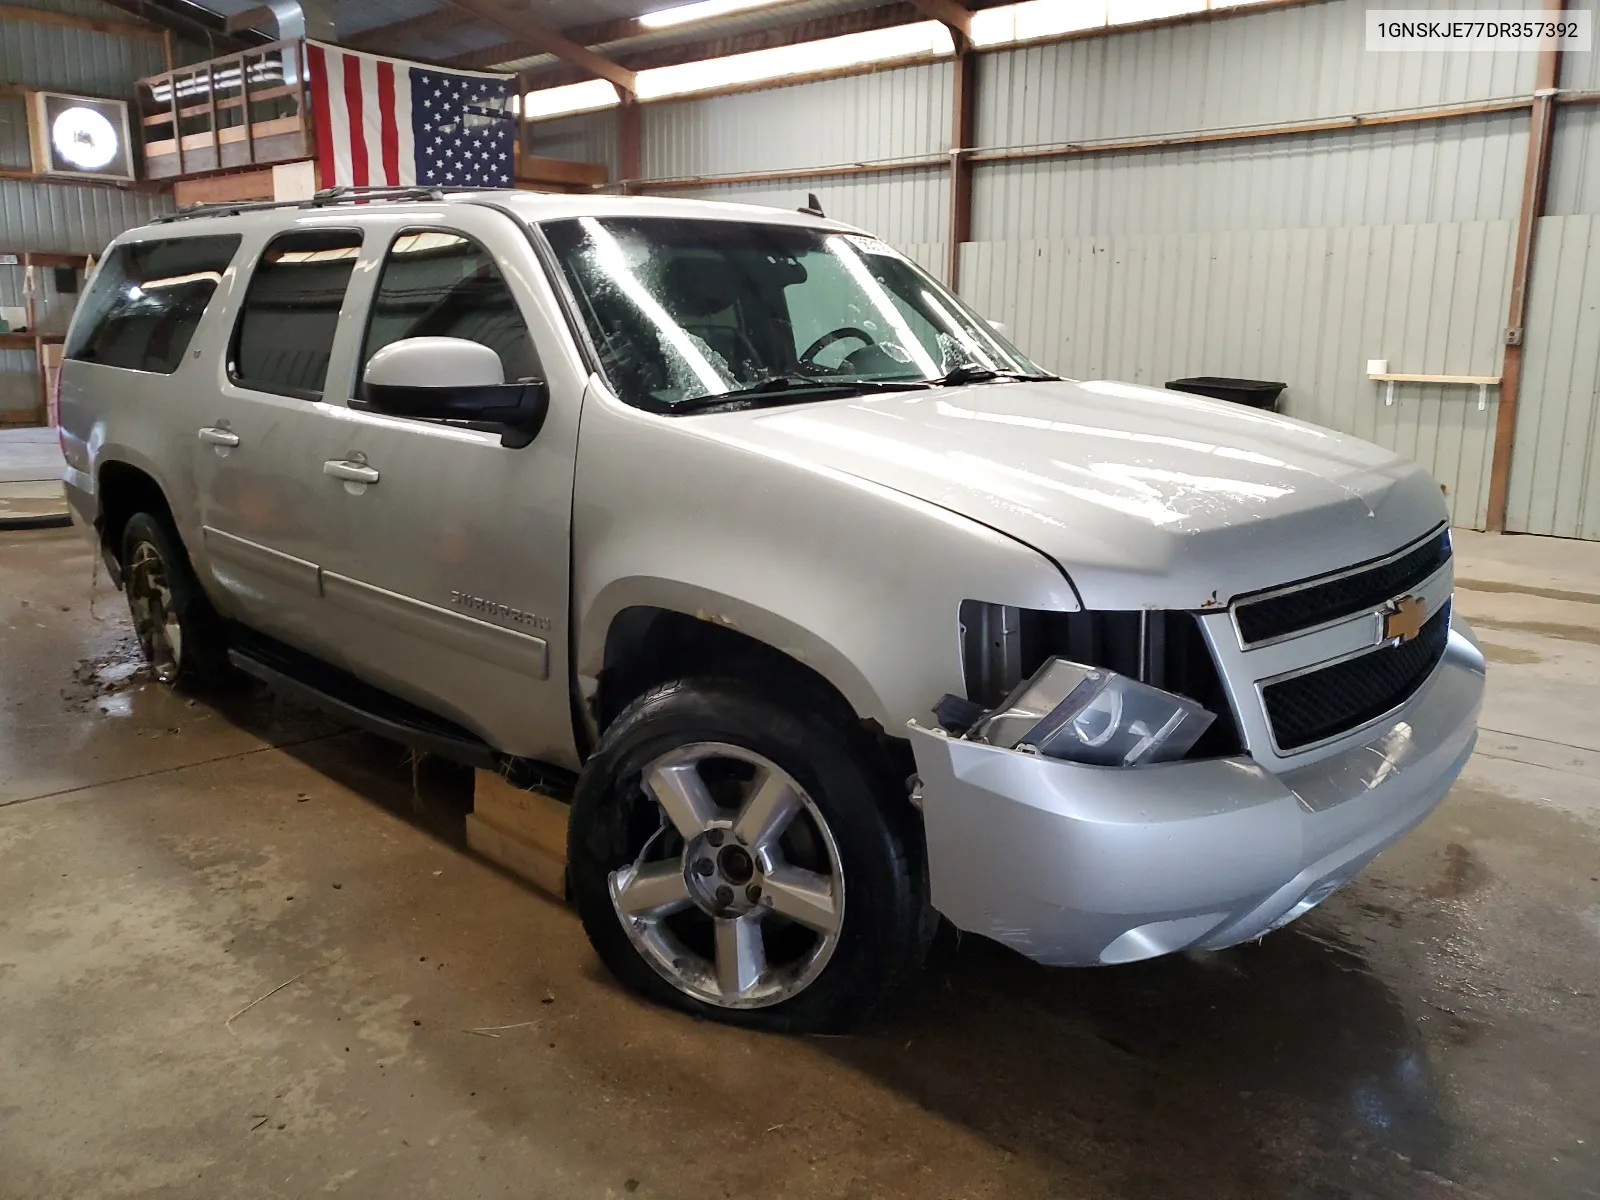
[(835, 610)]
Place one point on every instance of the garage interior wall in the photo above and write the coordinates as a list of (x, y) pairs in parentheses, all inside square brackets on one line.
[(1555, 466), (50, 216), (1295, 257)]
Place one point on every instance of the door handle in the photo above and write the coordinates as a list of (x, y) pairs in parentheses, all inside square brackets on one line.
[(351, 472), (218, 437)]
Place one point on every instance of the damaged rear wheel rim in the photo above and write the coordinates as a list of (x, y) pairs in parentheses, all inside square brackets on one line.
[(155, 621), (735, 895)]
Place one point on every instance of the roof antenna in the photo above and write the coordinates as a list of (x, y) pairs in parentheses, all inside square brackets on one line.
[(813, 206)]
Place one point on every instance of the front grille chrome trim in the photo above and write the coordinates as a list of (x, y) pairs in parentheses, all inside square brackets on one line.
[(1316, 581)]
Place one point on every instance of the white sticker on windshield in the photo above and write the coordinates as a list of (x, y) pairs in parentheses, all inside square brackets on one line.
[(871, 245)]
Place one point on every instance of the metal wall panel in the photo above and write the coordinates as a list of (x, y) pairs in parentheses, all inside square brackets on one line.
[(14, 150), (904, 208), (1555, 469), (1575, 159), (1307, 306), (1462, 170), (47, 56), (587, 137), (42, 216), (1287, 64), (899, 113)]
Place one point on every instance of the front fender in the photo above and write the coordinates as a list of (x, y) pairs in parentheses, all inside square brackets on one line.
[(859, 581), (809, 646)]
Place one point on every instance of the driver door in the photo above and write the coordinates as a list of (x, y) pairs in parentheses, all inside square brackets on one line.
[(450, 577)]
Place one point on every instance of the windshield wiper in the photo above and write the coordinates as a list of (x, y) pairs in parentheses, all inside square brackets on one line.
[(787, 389), (973, 373)]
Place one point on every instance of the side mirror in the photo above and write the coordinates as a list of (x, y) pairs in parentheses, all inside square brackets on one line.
[(452, 379)]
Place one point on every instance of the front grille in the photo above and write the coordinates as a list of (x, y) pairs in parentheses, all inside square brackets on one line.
[(1336, 699), (1316, 603)]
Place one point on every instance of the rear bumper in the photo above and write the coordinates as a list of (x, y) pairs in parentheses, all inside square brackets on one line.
[(1078, 865)]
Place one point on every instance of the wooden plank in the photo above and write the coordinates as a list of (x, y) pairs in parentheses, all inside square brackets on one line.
[(202, 141), (281, 148), (217, 189), (1402, 377), (536, 168), (523, 831)]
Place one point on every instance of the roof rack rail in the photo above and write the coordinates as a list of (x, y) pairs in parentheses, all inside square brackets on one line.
[(322, 199)]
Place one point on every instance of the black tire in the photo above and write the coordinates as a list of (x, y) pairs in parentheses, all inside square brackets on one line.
[(882, 936), (201, 655)]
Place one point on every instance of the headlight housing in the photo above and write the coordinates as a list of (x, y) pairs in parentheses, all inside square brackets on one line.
[(1092, 715)]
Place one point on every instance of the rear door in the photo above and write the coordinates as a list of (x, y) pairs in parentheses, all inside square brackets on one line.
[(265, 518), (450, 576)]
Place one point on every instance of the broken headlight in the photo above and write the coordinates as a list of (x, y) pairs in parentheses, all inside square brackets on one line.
[(1092, 715)]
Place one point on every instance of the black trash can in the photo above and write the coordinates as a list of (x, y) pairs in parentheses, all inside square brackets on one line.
[(1257, 393)]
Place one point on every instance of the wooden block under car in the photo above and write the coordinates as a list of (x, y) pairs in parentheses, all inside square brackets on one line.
[(524, 831)]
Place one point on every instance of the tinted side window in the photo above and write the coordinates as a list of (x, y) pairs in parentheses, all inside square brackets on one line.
[(291, 312), (437, 284), (146, 300)]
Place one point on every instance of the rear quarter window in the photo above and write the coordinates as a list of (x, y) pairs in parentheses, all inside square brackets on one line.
[(146, 300)]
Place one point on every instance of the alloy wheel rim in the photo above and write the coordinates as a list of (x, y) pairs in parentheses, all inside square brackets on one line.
[(737, 898), (154, 619)]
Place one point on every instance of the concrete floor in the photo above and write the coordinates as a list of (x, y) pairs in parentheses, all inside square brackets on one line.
[(244, 954)]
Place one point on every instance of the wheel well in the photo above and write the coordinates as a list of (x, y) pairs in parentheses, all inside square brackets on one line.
[(646, 646), (124, 490)]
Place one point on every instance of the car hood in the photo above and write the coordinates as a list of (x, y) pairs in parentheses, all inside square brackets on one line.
[(1147, 498)]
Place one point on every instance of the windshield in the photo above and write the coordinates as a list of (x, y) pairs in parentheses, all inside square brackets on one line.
[(681, 310)]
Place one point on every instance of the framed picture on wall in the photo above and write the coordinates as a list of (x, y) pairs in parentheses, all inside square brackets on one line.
[(79, 135)]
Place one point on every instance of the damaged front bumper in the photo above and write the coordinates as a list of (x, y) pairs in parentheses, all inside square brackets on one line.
[(1080, 865)]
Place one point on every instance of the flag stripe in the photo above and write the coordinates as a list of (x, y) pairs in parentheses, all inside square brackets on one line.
[(391, 134), (372, 120), (316, 56), (357, 126), (338, 121)]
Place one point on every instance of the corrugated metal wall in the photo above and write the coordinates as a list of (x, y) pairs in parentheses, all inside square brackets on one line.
[(1467, 170), (886, 116), (75, 60), (55, 217), (891, 114), (588, 137), (1555, 469), (1306, 306)]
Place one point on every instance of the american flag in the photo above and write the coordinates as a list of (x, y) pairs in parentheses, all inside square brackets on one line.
[(384, 121)]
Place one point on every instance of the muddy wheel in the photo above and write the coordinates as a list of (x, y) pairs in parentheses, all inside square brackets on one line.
[(179, 632), (738, 859)]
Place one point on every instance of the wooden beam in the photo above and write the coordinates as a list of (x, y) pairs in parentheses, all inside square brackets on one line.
[(260, 17), (1535, 183), (393, 37), (952, 14), (630, 136), (41, 16), (502, 16)]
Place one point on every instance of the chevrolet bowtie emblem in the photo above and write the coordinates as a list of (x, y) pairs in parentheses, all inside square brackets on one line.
[(1404, 618)]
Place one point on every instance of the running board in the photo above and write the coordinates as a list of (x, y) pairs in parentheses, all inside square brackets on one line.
[(354, 702)]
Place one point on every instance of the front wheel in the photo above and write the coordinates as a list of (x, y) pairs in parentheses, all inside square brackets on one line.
[(738, 859)]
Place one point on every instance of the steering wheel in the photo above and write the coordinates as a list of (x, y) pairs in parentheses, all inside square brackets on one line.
[(808, 359)]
